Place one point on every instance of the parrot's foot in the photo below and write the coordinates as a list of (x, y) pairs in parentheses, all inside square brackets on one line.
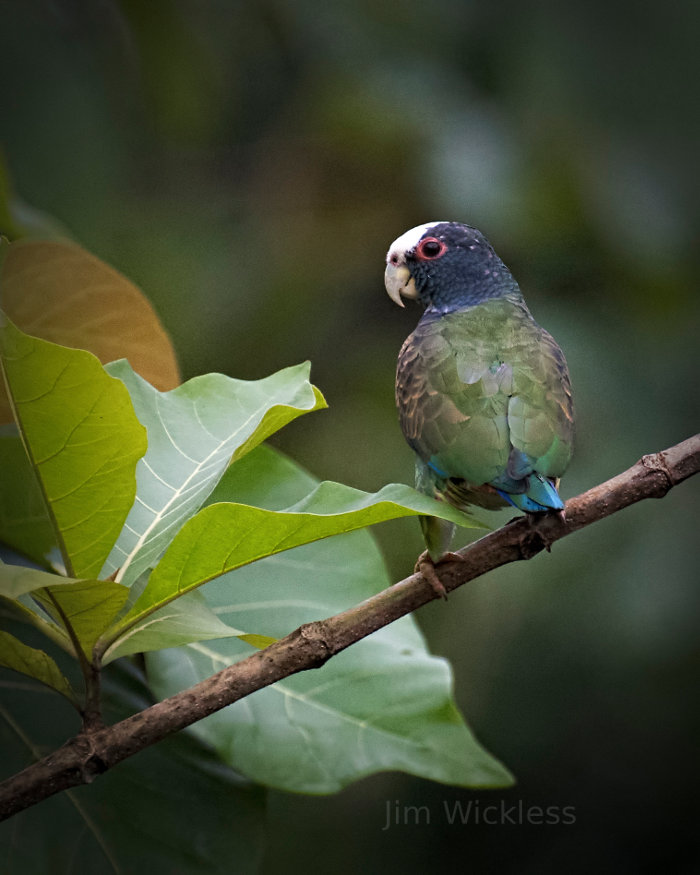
[(532, 519), (562, 516), (426, 566)]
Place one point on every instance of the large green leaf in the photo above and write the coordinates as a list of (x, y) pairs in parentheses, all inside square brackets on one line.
[(33, 662), (82, 437), (24, 517), (225, 536), (174, 807), (193, 433), (181, 622), (385, 703)]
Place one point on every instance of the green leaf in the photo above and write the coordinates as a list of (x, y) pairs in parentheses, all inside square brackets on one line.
[(82, 437), (173, 808), (29, 615), (24, 519), (385, 703), (87, 607), (18, 580), (181, 622), (33, 662), (193, 433), (225, 536), (260, 642)]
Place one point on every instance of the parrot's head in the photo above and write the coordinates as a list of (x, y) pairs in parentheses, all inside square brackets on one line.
[(445, 266)]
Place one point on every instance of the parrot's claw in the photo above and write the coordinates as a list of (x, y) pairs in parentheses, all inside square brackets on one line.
[(532, 521), (562, 518), (426, 566)]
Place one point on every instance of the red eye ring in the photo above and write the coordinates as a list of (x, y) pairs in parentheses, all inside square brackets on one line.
[(430, 249)]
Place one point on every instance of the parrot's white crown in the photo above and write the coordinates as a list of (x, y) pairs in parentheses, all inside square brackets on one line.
[(409, 239)]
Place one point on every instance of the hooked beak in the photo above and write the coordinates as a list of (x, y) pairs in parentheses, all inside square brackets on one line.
[(398, 282)]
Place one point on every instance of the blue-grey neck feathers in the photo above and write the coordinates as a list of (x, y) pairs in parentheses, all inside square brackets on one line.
[(469, 272)]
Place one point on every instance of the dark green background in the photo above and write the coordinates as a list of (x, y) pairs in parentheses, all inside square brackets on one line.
[(248, 164)]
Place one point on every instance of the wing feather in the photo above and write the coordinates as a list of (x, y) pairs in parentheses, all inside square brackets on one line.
[(484, 395)]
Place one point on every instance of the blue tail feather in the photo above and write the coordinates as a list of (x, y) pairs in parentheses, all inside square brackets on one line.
[(544, 492), (541, 495)]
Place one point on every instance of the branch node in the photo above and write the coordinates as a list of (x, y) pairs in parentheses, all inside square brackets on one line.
[(657, 462), (315, 635), (93, 764)]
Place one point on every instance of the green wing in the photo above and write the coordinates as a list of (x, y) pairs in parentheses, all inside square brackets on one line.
[(484, 395)]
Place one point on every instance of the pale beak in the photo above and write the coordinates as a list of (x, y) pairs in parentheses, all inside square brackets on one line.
[(398, 282)]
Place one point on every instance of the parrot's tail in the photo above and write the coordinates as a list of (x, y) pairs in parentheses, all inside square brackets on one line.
[(541, 495)]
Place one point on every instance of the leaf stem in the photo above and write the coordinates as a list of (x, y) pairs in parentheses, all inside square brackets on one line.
[(91, 711)]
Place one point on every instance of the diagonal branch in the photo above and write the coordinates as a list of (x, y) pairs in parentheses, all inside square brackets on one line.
[(83, 758)]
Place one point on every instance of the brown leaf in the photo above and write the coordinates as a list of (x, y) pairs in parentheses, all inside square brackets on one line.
[(59, 292)]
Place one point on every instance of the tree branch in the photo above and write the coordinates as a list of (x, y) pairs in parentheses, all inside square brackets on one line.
[(89, 754)]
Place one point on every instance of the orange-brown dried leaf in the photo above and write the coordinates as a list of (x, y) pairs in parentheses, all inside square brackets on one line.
[(58, 291)]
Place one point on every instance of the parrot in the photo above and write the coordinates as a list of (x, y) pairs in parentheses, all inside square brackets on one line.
[(483, 392)]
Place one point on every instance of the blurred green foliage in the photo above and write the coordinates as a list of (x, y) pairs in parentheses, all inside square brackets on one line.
[(248, 165)]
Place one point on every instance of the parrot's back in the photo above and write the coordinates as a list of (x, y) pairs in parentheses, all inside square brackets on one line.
[(484, 400)]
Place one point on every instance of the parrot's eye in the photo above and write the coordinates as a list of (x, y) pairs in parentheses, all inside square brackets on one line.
[(394, 259), (430, 248)]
